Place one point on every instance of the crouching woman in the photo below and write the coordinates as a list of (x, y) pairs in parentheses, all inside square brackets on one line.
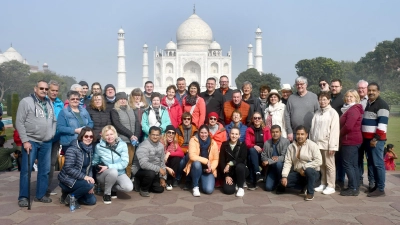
[(76, 176)]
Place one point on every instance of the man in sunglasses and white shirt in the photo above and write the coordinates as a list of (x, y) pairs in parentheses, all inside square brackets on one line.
[(36, 125), (323, 84)]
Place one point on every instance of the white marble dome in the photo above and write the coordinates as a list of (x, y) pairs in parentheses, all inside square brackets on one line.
[(194, 34), (215, 45), (258, 30), (121, 31), (12, 54), (3, 59), (250, 46), (170, 46)]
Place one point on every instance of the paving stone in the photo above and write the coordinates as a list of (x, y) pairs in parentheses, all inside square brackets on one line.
[(8, 198), (209, 222), (298, 222), (103, 211), (288, 198), (165, 198), (309, 209), (151, 219), (94, 222), (386, 198), (210, 198), (6, 222), (393, 178), (256, 199), (366, 219), (257, 210), (332, 222), (261, 220), (9, 208), (207, 210), (40, 220), (360, 209), (157, 210), (396, 206)]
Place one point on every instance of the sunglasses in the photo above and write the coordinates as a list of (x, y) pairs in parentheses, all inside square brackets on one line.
[(171, 132), (88, 136), (256, 118), (186, 119), (42, 88), (322, 84), (212, 118), (74, 99)]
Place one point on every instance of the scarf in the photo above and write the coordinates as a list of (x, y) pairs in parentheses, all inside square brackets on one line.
[(139, 104), (263, 102), (270, 111), (43, 105), (170, 147), (191, 100), (112, 100), (157, 112), (204, 147), (170, 102), (346, 107), (213, 129), (154, 116)]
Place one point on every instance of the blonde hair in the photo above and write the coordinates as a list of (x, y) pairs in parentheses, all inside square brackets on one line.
[(354, 93), (107, 128), (103, 102), (117, 106), (262, 121), (137, 92), (165, 142)]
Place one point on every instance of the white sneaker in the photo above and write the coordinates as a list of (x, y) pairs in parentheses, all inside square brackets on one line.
[(328, 191), (320, 188), (196, 192), (240, 192), (168, 187)]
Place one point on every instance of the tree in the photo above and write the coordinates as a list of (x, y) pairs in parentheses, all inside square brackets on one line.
[(14, 107), (12, 74), (318, 67), (391, 97), (9, 109), (252, 75)]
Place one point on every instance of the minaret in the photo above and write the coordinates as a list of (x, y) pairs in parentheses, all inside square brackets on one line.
[(258, 56), (250, 59), (121, 61), (145, 64)]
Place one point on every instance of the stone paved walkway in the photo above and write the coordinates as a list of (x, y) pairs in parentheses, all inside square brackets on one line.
[(180, 207)]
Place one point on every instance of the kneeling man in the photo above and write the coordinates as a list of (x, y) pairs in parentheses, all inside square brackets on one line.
[(305, 158), (148, 166)]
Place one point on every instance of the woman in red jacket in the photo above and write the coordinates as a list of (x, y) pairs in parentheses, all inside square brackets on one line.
[(256, 135), (195, 104), (217, 130), (351, 140), (172, 104)]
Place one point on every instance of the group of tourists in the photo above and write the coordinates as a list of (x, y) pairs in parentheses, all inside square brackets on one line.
[(149, 142)]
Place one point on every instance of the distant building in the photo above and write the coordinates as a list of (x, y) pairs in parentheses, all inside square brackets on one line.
[(12, 54)]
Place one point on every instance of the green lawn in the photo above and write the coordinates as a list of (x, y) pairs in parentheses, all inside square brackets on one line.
[(393, 134)]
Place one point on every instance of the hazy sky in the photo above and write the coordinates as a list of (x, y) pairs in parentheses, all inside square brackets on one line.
[(79, 38)]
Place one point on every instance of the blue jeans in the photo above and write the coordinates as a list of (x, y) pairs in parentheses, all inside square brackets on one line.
[(182, 165), (40, 151), (340, 171), (274, 175), (254, 166), (350, 164), (376, 163), (295, 180), (80, 190), (207, 179), (361, 151)]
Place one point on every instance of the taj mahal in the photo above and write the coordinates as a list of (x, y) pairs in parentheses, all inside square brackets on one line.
[(195, 56)]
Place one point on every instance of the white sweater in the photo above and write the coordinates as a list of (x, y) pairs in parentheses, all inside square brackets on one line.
[(325, 129), (277, 112)]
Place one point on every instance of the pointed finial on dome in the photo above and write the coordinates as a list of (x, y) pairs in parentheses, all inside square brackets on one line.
[(11, 44), (194, 8)]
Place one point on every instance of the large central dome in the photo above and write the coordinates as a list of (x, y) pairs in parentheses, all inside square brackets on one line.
[(194, 34)]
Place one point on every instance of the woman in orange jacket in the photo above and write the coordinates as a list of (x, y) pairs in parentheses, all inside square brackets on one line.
[(195, 104), (203, 161)]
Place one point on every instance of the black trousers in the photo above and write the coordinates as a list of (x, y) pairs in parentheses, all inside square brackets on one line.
[(149, 181), (295, 180), (173, 163), (238, 177)]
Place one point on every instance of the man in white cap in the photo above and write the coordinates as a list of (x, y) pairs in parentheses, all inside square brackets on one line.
[(286, 91)]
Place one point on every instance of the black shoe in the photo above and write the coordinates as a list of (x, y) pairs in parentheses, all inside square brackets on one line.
[(251, 187), (175, 183), (258, 177), (346, 192), (188, 186), (62, 198), (136, 185), (113, 194), (144, 193), (371, 189), (376, 193), (280, 189), (107, 199), (44, 199)]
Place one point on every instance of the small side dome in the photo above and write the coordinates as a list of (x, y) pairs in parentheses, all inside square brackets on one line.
[(250, 46), (215, 45), (145, 46), (258, 30), (121, 31), (170, 46)]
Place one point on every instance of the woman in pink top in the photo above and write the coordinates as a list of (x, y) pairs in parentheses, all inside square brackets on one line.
[(195, 105), (173, 106)]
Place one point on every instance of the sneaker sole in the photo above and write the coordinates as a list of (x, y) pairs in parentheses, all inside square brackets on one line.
[(106, 202), (113, 197)]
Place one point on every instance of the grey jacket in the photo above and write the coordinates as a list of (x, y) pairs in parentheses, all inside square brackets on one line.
[(31, 121), (149, 156), (281, 148)]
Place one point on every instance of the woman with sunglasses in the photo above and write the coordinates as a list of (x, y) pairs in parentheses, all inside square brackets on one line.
[(232, 163), (195, 104), (98, 113), (173, 156), (111, 158), (76, 177), (173, 106), (71, 120), (127, 125), (203, 161), (256, 134), (138, 103), (217, 130)]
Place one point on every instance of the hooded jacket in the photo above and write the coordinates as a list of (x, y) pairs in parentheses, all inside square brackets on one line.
[(325, 129), (219, 136), (164, 122), (112, 156), (174, 112)]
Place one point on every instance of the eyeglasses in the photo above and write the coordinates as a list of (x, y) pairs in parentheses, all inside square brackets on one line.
[(256, 118), (74, 99), (171, 132), (300, 84), (212, 118), (322, 84), (88, 136), (186, 119), (42, 88)]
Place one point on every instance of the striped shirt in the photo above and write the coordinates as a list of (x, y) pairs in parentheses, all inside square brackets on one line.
[(375, 120)]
